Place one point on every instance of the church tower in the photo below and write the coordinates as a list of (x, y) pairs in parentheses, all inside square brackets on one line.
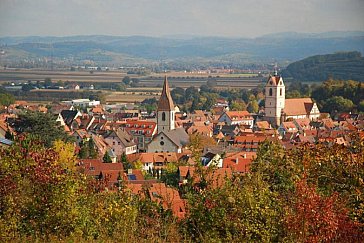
[(165, 112), (274, 99)]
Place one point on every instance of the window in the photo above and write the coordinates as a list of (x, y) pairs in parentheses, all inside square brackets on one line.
[(163, 116), (270, 92), (118, 143), (113, 143), (162, 143), (280, 92)]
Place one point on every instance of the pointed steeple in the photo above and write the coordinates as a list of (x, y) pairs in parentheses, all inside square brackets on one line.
[(165, 101)]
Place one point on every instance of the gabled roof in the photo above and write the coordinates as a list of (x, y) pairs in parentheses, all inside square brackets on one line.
[(125, 138), (299, 106), (178, 136), (68, 116), (237, 115), (274, 80), (165, 101)]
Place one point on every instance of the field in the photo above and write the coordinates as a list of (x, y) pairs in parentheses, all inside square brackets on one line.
[(129, 97), (149, 86)]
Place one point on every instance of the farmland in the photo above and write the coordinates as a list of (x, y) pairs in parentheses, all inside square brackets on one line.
[(176, 79), (148, 86)]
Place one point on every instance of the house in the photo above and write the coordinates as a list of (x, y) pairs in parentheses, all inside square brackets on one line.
[(142, 131), (120, 142), (81, 136), (238, 162), (237, 118), (302, 124), (168, 198), (113, 173), (286, 127), (249, 142), (69, 116)]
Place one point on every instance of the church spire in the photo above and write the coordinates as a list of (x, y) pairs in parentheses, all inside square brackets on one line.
[(165, 101)]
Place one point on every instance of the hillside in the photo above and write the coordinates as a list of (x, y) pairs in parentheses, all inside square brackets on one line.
[(196, 51), (341, 65)]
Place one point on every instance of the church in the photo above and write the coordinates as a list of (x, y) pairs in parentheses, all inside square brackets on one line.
[(168, 137), (279, 109)]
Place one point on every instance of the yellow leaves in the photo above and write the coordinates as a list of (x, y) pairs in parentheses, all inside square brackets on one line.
[(66, 152)]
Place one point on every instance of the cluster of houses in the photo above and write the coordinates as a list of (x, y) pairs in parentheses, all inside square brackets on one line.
[(150, 145)]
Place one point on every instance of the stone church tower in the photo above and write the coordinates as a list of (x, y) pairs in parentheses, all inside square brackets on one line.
[(165, 112), (274, 99)]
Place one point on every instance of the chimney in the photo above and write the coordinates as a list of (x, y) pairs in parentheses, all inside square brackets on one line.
[(130, 171), (237, 160), (244, 156)]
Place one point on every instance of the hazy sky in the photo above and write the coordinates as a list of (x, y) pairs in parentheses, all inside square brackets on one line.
[(248, 18)]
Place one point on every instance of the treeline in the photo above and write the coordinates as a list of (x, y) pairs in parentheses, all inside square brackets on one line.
[(307, 194), (206, 97), (342, 65), (332, 96), (54, 95)]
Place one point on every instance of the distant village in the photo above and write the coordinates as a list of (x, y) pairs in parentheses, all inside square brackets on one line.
[(137, 147)]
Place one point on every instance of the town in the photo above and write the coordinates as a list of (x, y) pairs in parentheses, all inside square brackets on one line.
[(181, 121), (139, 149)]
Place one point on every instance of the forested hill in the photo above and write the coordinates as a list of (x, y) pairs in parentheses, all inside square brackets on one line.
[(182, 52), (341, 65)]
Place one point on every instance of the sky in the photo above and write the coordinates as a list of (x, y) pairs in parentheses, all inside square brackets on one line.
[(228, 18)]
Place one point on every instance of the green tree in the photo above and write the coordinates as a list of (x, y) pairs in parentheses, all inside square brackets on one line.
[(253, 106), (361, 106), (126, 80), (47, 82), (338, 104), (41, 125), (6, 99), (92, 151), (107, 158), (238, 106)]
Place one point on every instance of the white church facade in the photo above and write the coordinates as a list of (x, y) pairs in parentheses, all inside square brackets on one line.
[(168, 137), (279, 109)]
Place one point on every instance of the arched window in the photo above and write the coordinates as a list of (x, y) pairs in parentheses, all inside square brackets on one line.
[(280, 92), (163, 116), (270, 92)]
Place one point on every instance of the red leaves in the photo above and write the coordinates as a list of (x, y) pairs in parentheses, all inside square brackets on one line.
[(315, 218)]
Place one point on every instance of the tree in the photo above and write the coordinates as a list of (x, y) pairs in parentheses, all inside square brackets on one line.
[(126, 80), (92, 151), (47, 82), (253, 106), (66, 154), (238, 106), (6, 99), (41, 125), (338, 104), (106, 158), (314, 218)]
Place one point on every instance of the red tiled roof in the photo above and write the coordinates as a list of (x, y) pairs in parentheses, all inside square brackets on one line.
[(299, 106)]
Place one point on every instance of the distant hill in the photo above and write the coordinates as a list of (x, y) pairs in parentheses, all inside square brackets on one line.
[(341, 65), (283, 48)]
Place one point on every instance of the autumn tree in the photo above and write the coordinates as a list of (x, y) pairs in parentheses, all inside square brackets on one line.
[(314, 218)]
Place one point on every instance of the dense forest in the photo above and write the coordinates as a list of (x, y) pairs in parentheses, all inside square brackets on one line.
[(341, 65), (307, 194)]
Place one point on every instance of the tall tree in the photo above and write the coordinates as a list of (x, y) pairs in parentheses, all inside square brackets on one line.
[(41, 125)]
